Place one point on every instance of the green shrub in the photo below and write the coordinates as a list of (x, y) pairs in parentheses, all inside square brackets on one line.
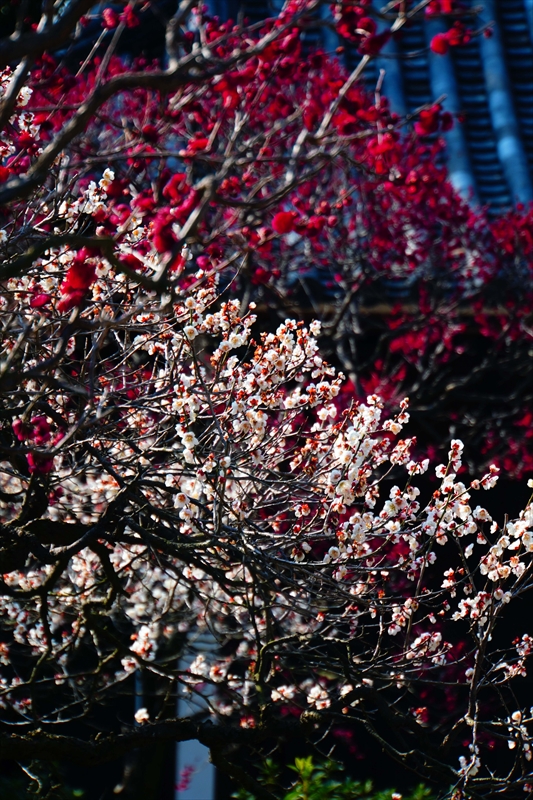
[(325, 782)]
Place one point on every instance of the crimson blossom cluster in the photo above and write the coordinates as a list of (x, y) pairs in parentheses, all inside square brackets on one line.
[(278, 170)]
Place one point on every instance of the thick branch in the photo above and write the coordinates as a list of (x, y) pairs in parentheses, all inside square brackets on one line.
[(34, 44), (102, 749)]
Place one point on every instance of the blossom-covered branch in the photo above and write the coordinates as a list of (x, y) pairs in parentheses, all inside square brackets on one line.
[(164, 474)]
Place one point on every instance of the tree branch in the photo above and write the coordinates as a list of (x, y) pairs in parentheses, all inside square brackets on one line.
[(51, 37)]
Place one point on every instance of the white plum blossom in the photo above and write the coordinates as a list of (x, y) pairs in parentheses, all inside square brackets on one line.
[(141, 716)]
